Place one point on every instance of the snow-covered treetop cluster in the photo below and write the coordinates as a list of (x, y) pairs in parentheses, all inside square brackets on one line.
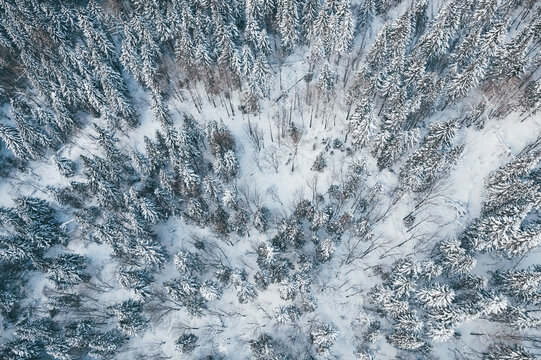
[(270, 179)]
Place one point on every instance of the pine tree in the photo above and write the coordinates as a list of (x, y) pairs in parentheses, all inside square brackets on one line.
[(264, 347), (130, 319), (20, 349), (461, 84), (11, 137), (261, 219), (438, 296), (188, 262), (107, 140), (365, 14), (185, 50), (138, 281), (325, 250), (532, 96), (405, 340), (288, 22), (516, 317), (226, 166), (322, 338), (511, 60), (229, 199), (454, 258), (224, 42), (187, 291), (149, 252), (510, 198), (186, 343), (245, 290), (439, 333), (107, 345), (37, 223), (261, 76), (493, 38), (377, 56), (247, 60), (210, 291), (65, 166), (434, 157), (309, 14), (436, 42), (508, 352), (361, 123), (346, 28), (389, 147), (408, 321), (15, 249), (323, 32), (319, 163), (66, 270), (115, 92), (326, 80), (524, 285), (159, 107)]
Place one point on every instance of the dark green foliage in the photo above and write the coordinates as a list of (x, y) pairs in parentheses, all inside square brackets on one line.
[(137, 280), (34, 227), (130, 318), (261, 219), (265, 347), (186, 291), (508, 352), (320, 163), (66, 270), (186, 343), (322, 338), (106, 345)]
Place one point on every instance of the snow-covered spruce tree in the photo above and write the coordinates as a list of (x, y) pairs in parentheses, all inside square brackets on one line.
[(309, 13), (138, 281), (66, 270), (502, 351), (107, 344), (13, 141), (326, 80), (433, 159), (186, 343), (361, 123), (264, 347), (322, 338), (288, 22), (261, 219), (130, 319), (65, 166), (523, 285), (511, 197)]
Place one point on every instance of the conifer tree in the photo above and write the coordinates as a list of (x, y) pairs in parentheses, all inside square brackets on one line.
[(361, 123), (261, 76), (11, 137), (309, 14), (365, 14), (322, 338), (508, 352), (288, 22), (511, 60), (67, 270), (326, 80), (346, 27), (130, 319), (186, 343)]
